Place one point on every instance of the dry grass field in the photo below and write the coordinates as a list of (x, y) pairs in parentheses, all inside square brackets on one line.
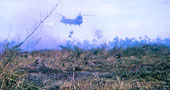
[(145, 67)]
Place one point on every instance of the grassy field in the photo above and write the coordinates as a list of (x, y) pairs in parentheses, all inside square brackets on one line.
[(146, 67)]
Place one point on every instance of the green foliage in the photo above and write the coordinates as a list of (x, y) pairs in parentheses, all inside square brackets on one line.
[(155, 70), (152, 50)]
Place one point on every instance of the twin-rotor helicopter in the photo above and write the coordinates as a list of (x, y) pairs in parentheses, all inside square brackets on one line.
[(73, 21)]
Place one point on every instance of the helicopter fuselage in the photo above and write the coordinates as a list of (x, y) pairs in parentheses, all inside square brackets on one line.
[(77, 21)]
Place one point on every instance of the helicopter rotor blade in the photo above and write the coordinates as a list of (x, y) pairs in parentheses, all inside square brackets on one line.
[(59, 14), (88, 15)]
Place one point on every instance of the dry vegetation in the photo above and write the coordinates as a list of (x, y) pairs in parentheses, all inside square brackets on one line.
[(136, 68)]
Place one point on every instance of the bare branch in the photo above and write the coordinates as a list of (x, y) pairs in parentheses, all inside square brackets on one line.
[(34, 43), (37, 27)]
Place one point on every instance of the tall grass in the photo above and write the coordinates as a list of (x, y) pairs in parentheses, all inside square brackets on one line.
[(144, 67)]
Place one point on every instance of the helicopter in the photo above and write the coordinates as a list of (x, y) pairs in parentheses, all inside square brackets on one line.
[(76, 21)]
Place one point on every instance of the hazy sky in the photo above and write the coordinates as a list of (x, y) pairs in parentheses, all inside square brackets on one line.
[(123, 18)]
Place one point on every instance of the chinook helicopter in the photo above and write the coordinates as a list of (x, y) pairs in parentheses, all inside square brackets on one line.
[(76, 21)]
